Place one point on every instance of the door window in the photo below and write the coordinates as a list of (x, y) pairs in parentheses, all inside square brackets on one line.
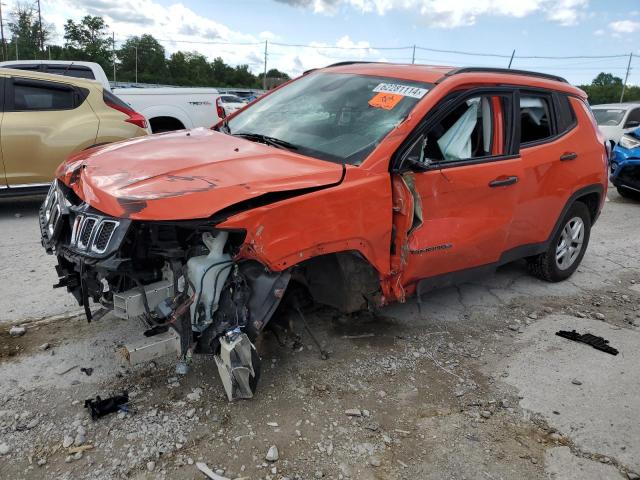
[(35, 96), (473, 129), (535, 118), (633, 120)]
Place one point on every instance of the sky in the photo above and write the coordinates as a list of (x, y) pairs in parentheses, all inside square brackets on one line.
[(329, 31)]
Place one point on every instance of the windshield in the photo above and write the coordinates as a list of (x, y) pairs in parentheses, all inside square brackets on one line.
[(608, 116), (330, 116)]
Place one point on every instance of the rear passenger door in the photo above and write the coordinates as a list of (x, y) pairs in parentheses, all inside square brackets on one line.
[(551, 154), (43, 123)]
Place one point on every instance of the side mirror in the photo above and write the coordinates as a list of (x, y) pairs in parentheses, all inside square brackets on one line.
[(414, 158), (632, 124)]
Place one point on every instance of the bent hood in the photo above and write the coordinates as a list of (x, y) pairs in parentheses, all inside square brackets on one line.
[(187, 174)]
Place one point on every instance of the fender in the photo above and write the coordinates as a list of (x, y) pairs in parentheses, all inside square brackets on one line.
[(168, 111)]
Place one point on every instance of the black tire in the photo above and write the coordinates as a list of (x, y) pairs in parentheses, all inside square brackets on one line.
[(630, 194), (545, 266)]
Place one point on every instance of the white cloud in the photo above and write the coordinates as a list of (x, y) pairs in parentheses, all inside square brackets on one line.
[(179, 28), (624, 26), (457, 13)]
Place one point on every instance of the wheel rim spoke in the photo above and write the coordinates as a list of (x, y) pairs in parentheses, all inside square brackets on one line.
[(570, 243)]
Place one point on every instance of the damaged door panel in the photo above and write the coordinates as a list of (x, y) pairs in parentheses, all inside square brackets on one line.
[(348, 186)]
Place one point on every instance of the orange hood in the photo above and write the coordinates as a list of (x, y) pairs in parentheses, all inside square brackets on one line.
[(187, 174)]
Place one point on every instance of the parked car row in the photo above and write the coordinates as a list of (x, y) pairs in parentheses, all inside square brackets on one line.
[(165, 108), (47, 118), (54, 109)]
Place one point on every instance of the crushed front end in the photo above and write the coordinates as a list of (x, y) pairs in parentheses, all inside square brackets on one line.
[(183, 276)]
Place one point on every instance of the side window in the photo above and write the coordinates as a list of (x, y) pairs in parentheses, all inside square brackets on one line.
[(633, 120), (535, 118), (467, 132), (35, 95), (566, 117)]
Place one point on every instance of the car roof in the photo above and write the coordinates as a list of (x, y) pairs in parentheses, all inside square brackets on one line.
[(617, 106), (79, 82), (441, 73)]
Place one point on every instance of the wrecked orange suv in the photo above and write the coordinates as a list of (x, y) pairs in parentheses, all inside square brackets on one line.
[(362, 183)]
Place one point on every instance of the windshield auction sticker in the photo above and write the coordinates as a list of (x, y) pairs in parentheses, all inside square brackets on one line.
[(385, 101), (404, 90)]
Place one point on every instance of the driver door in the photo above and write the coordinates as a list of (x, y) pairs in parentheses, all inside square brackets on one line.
[(461, 176)]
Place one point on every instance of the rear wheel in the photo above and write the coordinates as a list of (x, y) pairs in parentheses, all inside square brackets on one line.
[(567, 247)]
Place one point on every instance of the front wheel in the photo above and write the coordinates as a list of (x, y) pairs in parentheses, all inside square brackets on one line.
[(567, 247), (626, 193)]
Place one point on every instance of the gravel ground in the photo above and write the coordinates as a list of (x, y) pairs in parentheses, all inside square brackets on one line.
[(476, 385)]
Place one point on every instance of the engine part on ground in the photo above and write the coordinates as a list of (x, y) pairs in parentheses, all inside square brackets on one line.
[(207, 274), (101, 407), (131, 303), (150, 348), (238, 365), (596, 342)]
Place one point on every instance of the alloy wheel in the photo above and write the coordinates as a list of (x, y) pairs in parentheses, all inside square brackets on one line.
[(570, 243)]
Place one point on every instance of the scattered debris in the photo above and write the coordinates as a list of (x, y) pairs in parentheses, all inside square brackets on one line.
[(45, 346), (272, 454), (17, 331), (374, 461), (100, 408), (63, 372), (353, 412), (596, 342), (208, 472), (80, 448), (4, 449), (575, 381), (87, 370)]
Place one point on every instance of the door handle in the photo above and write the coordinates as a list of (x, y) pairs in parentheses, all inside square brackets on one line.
[(503, 181), (568, 156)]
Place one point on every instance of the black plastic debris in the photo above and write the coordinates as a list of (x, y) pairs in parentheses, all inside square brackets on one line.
[(596, 342), (87, 370), (101, 407)]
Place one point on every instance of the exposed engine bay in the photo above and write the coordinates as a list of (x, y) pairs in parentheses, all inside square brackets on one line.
[(172, 276)]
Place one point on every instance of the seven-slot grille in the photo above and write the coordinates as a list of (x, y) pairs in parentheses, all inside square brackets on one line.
[(95, 232)]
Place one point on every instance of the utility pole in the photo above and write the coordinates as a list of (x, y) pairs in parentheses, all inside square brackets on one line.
[(4, 43), (264, 78), (626, 77), (413, 57), (113, 46), (40, 27), (511, 59), (136, 47)]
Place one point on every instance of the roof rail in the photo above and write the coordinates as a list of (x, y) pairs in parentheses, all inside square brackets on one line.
[(349, 62), (510, 71)]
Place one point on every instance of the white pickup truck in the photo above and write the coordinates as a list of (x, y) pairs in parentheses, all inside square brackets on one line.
[(166, 108)]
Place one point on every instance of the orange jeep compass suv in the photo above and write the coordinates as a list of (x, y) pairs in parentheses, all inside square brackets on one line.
[(359, 183)]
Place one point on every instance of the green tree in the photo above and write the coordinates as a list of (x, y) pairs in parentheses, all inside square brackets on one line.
[(24, 28), (274, 78), (149, 56), (89, 40)]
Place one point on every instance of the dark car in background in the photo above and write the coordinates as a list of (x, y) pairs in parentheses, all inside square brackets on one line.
[(625, 165)]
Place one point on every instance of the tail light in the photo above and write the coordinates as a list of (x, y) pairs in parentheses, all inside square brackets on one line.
[(114, 102), (220, 109)]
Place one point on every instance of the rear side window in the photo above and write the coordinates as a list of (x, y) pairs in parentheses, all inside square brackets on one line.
[(566, 117), (633, 120), (77, 71), (35, 95), (535, 118)]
